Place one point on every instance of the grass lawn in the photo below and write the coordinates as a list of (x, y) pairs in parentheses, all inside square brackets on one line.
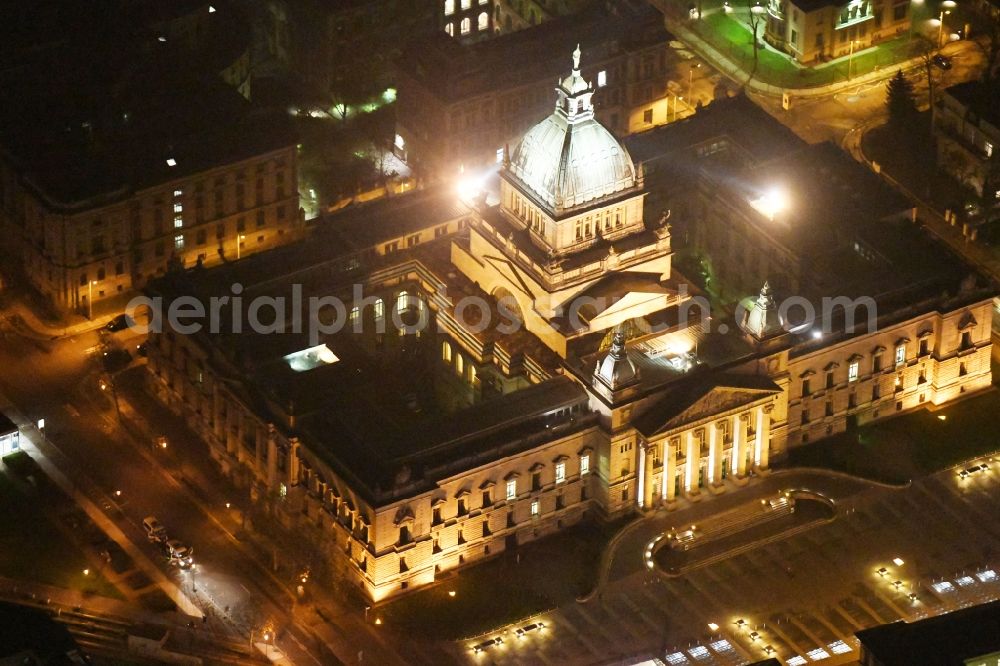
[(909, 446), (504, 590), (32, 548), (732, 37)]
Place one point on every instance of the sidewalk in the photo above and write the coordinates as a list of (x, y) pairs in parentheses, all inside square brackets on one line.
[(22, 316)]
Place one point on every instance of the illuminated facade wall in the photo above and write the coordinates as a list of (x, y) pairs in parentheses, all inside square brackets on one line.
[(810, 34), (109, 250)]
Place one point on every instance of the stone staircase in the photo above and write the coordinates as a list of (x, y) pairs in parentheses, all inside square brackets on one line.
[(732, 521)]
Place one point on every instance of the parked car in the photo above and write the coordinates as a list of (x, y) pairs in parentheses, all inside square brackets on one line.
[(944, 62), (529, 628), (120, 323), (485, 645), (155, 531), (179, 553)]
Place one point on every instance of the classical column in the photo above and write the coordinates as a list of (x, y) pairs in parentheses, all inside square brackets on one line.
[(640, 495), (762, 443), (693, 456), (737, 453), (715, 447), (670, 470)]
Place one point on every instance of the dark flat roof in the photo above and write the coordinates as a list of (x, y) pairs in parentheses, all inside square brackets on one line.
[(945, 640), (981, 98), (454, 71), (89, 121), (6, 425)]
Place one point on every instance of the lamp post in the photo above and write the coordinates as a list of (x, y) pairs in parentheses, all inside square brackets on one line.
[(944, 12), (90, 299), (850, 60), (239, 244), (691, 78)]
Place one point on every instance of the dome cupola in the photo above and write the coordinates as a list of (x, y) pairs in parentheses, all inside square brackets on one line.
[(570, 159)]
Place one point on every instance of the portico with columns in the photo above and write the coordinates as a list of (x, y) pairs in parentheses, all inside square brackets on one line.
[(720, 438)]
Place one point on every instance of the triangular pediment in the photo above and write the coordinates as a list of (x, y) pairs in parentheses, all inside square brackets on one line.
[(703, 403)]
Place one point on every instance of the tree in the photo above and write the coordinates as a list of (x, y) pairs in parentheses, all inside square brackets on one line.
[(901, 101), (754, 18)]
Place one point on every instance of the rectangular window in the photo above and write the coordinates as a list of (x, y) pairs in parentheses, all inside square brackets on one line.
[(900, 354), (602, 78), (805, 387), (829, 379), (179, 242), (584, 464), (560, 472), (511, 489), (852, 371), (647, 116), (923, 347), (877, 363), (534, 509)]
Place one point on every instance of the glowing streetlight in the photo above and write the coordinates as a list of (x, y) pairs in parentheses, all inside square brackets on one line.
[(378, 620), (897, 561), (86, 572), (771, 203), (451, 593), (944, 12), (713, 626)]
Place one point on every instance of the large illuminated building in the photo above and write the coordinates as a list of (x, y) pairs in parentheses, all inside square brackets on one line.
[(433, 431)]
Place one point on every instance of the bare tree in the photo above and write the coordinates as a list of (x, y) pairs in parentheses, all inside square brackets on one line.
[(754, 19)]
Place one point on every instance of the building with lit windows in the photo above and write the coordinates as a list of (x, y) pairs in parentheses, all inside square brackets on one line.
[(468, 20), (967, 133), (460, 104), (509, 364), (816, 30), (109, 179)]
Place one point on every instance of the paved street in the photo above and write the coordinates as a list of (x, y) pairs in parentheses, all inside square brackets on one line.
[(801, 595)]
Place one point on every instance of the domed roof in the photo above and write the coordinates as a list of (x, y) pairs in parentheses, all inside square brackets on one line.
[(569, 158), (616, 370)]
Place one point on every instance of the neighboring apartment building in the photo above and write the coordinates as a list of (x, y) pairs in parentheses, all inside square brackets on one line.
[(109, 180), (460, 105), (816, 30), (468, 20), (514, 15), (967, 131), (403, 451)]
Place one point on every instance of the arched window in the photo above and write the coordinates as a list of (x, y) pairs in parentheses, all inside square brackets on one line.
[(484, 21), (402, 301), (379, 308), (450, 29), (466, 26), (459, 365), (472, 374), (449, 7), (355, 315), (446, 352)]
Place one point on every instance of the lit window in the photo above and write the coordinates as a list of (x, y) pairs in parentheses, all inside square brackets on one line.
[(484, 21), (446, 351), (466, 26), (282, 490), (450, 29), (534, 508), (499, 155), (178, 207), (989, 149), (379, 308), (355, 313), (511, 489), (402, 301), (483, 2), (584, 463), (449, 7), (171, 162), (178, 221), (560, 472), (178, 193), (602, 79), (179, 242), (466, 4), (852, 371), (900, 354), (400, 143), (459, 364)]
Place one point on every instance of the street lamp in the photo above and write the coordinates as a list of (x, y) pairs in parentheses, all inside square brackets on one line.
[(239, 244), (944, 12), (90, 299), (691, 78), (850, 60)]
